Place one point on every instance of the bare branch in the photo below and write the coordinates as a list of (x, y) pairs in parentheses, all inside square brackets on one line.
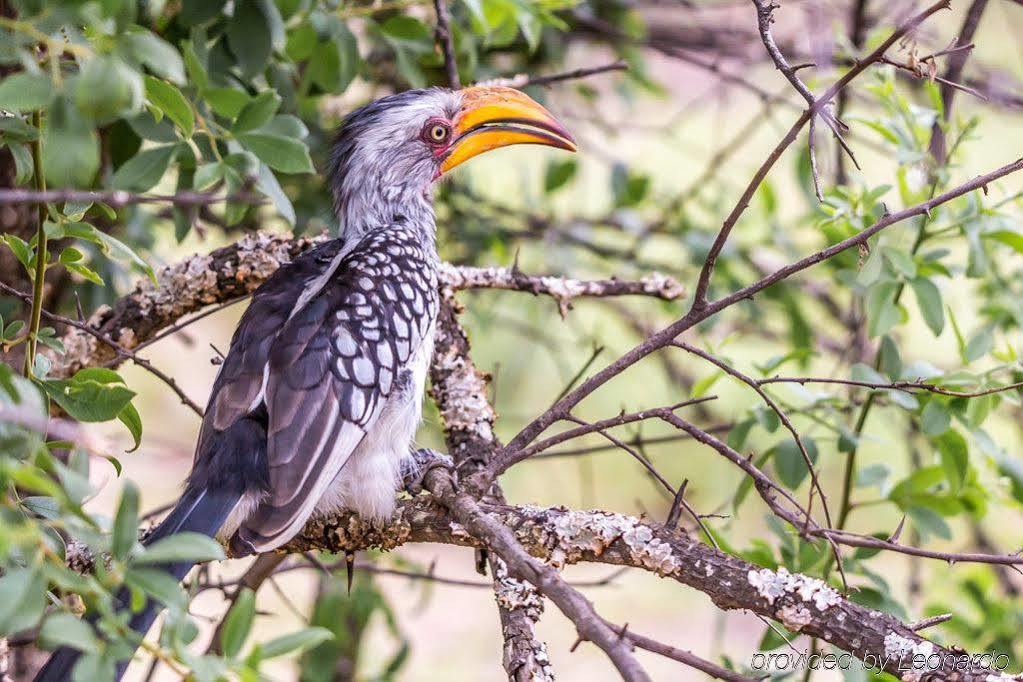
[(501, 540), (524, 80), (752, 383), (446, 40), (953, 74), (121, 352), (459, 390), (683, 656), (120, 198), (906, 386), (815, 108), (561, 289)]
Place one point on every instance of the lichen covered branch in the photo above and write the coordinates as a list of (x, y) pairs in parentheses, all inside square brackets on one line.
[(560, 537)]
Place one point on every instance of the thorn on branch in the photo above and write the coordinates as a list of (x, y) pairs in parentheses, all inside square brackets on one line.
[(930, 622), (676, 506), (350, 569), (894, 537)]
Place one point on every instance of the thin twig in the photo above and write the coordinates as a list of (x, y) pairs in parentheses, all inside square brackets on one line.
[(118, 348), (446, 41), (524, 80), (120, 198)]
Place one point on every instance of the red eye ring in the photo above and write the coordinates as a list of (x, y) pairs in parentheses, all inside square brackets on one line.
[(436, 132)]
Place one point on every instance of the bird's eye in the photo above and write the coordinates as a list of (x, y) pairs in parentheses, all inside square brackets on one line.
[(437, 132)]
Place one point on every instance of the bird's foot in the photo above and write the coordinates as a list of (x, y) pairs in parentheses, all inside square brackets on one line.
[(418, 464)]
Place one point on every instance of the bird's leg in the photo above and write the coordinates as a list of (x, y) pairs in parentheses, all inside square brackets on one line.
[(419, 463)]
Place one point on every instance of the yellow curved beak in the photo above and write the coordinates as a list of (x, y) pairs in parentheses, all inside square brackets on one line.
[(495, 117)]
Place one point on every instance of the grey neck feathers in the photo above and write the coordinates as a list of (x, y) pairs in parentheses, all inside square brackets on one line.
[(377, 200)]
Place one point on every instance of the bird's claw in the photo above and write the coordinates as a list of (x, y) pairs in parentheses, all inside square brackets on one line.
[(418, 464)]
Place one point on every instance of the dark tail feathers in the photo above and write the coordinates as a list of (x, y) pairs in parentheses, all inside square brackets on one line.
[(198, 511)]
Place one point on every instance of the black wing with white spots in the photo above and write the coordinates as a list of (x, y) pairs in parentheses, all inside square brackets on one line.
[(328, 371)]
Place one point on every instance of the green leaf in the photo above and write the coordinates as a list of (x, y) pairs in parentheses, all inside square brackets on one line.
[(180, 547), (979, 345), (929, 523), (257, 112), (13, 128), (928, 297), (22, 600), (405, 28), (882, 312), (23, 169), (129, 416), (63, 629), (228, 102), (248, 36), (1011, 239), (172, 103), (789, 463), (871, 270), (107, 89), (25, 92), (703, 385), (157, 54), (144, 170), (11, 331), (70, 148), (629, 188), (286, 125), (559, 174), (295, 642), (867, 374), (110, 246), (280, 153), (94, 667), (194, 66), (238, 623), (875, 474), (47, 337), (739, 433), (955, 457), (158, 584), (207, 175), (94, 394), (901, 262), (890, 358), (85, 272), (267, 184), (21, 250), (200, 11), (324, 67), (935, 418), (301, 42), (125, 532)]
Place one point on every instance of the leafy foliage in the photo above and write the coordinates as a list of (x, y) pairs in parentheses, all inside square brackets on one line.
[(238, 99)]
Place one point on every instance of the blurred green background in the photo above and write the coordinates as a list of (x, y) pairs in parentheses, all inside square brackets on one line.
[(664, 152)]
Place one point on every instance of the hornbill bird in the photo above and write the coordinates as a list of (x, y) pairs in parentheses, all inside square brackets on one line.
[(317, 402)]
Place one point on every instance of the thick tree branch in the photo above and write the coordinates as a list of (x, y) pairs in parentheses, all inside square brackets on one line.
[(559, 536), (459, 390), (234, 271)]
